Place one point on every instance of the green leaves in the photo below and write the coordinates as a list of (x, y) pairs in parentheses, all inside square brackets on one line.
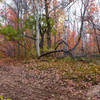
[(10, 33), (2, 98), (31, 24)]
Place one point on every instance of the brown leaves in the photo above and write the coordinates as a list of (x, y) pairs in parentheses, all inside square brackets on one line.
[(44, 79)]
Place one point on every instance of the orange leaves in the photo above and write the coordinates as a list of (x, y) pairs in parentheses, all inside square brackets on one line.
[(93, 7), (92, 10), (73, 34)]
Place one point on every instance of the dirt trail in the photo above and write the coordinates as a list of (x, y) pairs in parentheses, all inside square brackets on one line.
[(20, 83)]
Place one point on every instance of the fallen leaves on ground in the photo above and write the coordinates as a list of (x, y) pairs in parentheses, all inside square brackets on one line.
[(48, 79)]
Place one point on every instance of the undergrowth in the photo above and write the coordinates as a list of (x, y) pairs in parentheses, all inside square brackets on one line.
[(70, 68)]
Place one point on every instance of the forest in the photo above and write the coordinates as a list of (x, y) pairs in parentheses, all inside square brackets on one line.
[(49, 49)]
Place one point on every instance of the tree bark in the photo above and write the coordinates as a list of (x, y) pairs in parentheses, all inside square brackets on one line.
[(48, 26), (37, 28), (42, 41)]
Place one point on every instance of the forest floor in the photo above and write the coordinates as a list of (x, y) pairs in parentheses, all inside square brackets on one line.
[(49, 80)]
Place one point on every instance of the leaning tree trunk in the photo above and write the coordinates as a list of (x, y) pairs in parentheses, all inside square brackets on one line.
[(37, 28)]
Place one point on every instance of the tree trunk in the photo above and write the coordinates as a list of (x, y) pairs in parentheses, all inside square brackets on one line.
[(55, 39), (37, 28), (18, 29), (65, 38), (48, 26), (42, 41)]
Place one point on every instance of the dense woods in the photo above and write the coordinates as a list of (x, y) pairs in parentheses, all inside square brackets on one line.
[(49, 49), (38, 28)]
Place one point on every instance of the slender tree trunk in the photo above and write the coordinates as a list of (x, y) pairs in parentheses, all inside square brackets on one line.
[(37, 28), (42, 36), (42, 41), (48, 26), (55, 40), (56, 22), (65, 38), (18, 48)]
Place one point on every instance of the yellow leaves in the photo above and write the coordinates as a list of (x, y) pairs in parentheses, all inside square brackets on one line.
[(99, 84), (62, 18), (60, 24)]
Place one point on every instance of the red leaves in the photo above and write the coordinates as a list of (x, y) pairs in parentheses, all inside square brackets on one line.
[(1, 11), (71, 1)]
